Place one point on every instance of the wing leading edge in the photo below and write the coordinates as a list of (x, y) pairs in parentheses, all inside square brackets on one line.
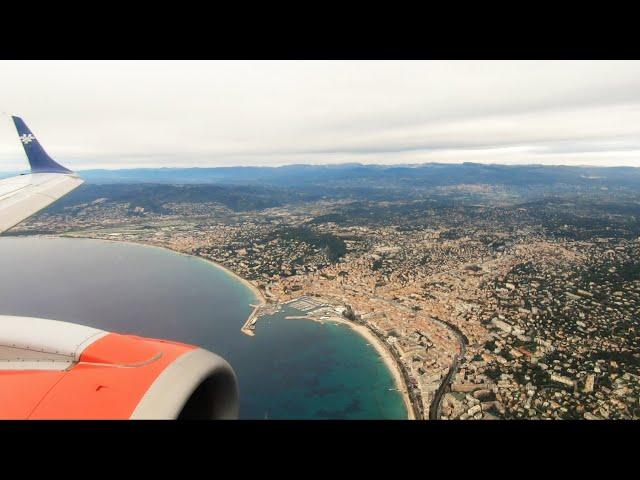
[(24, 195)]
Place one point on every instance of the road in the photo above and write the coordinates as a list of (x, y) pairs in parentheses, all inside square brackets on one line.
[(434, 409), (415, 400)]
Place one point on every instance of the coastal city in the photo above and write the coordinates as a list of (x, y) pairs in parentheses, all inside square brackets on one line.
[(483, 309), (433, 243)]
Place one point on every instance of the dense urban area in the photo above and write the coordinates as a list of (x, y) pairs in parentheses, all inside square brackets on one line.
[(498, 299)]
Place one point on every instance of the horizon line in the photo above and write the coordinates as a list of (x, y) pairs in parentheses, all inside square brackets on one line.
[(389, 165)]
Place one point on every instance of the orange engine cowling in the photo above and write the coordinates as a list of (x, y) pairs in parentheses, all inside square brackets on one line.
[(59, 370)]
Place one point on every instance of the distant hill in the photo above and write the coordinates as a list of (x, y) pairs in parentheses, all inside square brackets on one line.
[(153, 196), (357, 175)]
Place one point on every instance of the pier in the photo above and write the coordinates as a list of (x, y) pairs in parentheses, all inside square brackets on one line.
[(250, 325)]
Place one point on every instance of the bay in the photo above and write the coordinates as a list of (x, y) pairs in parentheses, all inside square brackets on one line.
[(291, 369)]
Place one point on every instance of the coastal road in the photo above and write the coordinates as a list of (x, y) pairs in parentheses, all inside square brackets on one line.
[(434, 409)]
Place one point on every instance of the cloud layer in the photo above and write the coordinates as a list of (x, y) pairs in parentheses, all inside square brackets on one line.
[(134, 114)]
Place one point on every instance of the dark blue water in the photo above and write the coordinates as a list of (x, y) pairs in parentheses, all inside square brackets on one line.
[(290, 369)]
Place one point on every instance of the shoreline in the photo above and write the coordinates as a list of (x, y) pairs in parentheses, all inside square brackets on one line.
[(256, 291), (261, 300), (383, 352)]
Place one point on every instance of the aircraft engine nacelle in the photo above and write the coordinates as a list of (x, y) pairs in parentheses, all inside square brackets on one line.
[(59, 370)]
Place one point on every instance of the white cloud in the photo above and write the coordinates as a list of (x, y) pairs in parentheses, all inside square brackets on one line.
[(183, 113)]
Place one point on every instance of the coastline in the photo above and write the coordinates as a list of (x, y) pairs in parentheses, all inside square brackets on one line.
[(261, 300), (384, 354), (256, 292), (382, 350)]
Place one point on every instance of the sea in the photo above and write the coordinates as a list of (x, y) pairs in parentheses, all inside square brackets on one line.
[(290, 369)]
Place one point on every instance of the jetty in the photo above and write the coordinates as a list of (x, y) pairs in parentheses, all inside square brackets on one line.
[(250, 325)]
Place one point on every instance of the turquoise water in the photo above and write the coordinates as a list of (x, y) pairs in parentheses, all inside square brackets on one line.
[(290, 369)]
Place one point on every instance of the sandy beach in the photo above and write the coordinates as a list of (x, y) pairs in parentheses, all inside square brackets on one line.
[(384, 353), (256, 291)]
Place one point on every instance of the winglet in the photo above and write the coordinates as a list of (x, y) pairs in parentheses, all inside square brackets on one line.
[(39, 160)]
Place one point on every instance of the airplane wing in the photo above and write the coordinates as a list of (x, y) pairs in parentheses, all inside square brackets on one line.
[(25, 195), (58, 370)]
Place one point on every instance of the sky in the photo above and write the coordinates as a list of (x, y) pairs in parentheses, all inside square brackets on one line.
[(130, 114)]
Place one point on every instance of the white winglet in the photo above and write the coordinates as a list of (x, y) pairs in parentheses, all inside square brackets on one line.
[(25, 195)]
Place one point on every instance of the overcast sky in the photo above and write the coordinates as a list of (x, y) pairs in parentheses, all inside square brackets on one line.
[(129, 114)]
